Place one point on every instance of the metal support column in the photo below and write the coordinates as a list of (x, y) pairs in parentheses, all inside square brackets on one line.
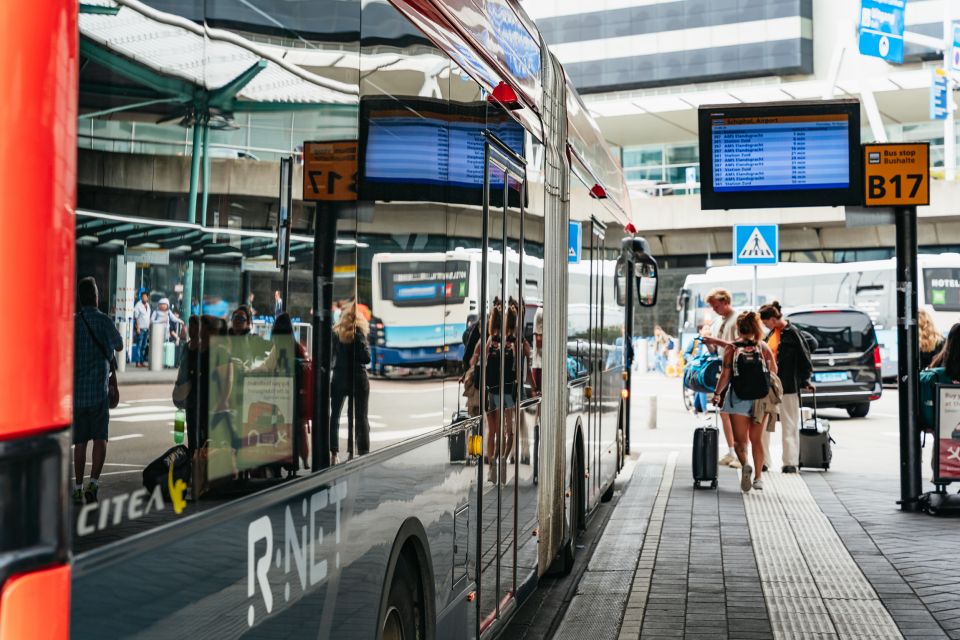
[(324, 256), (629, 283), (949, 125), (206, 172), (191, 218), (908, 357)]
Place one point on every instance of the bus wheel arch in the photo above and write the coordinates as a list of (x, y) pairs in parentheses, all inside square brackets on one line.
[(577, 483), (407, 601)]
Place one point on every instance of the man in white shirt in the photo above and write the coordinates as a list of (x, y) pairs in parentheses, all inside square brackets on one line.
[(141, 327), (725, 328)]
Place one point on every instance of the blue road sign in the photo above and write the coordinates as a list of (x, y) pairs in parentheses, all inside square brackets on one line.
[(575, 243), (881, 29), (938, 95), (756, 244)]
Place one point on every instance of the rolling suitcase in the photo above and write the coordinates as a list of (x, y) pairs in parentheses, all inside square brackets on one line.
[(705, 439), (457, 442), (169, 354), (816, 445)]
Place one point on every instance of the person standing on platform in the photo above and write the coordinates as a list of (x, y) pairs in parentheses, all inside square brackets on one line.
[(724, 331), (95, 340), (795, 368), (931, 342), (349, 381), (277, 304), (141, 327)]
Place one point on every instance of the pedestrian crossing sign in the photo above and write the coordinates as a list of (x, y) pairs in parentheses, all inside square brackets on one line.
[(756, 244)]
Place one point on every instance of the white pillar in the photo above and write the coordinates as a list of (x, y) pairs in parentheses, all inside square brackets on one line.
[(158, 332)]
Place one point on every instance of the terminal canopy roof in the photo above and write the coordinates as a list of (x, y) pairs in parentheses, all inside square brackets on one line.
[(174, 67)]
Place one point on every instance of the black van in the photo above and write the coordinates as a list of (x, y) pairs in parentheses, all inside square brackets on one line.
[(846, 362)]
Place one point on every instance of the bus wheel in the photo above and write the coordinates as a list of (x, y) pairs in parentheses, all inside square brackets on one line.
[(402, 621), (608, 494)]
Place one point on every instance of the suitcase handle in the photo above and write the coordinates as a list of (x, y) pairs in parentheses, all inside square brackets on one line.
[(814, 394)]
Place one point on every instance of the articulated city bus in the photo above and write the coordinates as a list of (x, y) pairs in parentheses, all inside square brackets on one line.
[(413, 127), (868, 285)]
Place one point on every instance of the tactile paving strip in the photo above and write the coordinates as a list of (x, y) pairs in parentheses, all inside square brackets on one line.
[(812, 585)]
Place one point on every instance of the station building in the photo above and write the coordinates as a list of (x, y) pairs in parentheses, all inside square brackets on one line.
[(645, 66)]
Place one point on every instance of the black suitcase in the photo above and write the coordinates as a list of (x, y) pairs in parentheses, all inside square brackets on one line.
[(457, 443), (816, 444), (705, 443), (158, 471)]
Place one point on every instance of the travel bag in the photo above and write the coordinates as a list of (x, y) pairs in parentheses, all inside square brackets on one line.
[(702, 372), (169, 354), (457, 442), (816, 444), (158, 471), (705, 451)]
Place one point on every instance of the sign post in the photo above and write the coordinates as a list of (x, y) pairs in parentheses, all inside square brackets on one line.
[(756, 244), (898, 175)]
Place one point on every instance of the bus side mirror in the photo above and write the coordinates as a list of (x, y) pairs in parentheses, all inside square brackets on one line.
[(646, 275)]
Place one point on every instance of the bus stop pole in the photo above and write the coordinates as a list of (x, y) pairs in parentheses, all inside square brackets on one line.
[(908, 357), (628, 347), (324, 254)]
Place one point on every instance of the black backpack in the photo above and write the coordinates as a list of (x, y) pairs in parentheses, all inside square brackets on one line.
[(751, 380), (493, 365)]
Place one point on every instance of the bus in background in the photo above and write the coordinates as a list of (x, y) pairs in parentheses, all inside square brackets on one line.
[(422, 303), (868, 285), (246, 533)]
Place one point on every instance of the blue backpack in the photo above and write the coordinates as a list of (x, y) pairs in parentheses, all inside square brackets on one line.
[(930, 379)]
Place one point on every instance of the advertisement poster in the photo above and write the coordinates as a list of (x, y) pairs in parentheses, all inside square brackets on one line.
[(948, 432), (266, 432)]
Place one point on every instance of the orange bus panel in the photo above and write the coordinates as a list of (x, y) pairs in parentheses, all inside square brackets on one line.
[(38, 151), (36, 605)]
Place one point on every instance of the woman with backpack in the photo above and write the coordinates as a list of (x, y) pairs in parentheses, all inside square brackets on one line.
[(500, 347), (743, 379), (794, 368)]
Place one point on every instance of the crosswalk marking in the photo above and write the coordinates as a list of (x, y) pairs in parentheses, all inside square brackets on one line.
[(126, 437)]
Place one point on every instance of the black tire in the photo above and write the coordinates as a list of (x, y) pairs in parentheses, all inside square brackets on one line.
[(858, 410), (696, 484), (563, 565), (403, 619), (713, 485)]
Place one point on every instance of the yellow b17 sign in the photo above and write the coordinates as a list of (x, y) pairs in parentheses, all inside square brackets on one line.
[(896, 174), (330, 171)]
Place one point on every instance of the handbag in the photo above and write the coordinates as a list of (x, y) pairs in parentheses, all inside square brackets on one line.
[(702, 373), (113, 389)]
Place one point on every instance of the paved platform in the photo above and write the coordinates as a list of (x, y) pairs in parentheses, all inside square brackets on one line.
[(812, 556)]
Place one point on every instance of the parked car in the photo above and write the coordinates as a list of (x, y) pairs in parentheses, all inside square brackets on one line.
[(846, 363)]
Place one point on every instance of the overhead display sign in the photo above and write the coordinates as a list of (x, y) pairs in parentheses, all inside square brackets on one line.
[(330, 171), (938, 95), (429, 151), (147, 256), (756, 244), (574, 243), (881, 29), (786, 154), (896, 174)]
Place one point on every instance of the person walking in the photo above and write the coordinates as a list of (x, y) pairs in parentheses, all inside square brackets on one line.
[(141, 327), (794, 369), (742, 381), (662, 344), (96, 343), (350, 381), (696, 349), (724, 332), (931, 342)]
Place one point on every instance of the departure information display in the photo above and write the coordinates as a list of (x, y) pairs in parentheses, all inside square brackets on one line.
[(781, 152)]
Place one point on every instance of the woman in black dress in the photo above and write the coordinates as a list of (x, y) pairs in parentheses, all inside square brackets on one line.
[(352, 355)]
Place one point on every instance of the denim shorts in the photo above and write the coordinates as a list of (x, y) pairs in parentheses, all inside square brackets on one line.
[(733, 404), (494, 401)]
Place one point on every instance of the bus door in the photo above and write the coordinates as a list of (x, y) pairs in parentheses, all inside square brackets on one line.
[(502, 370), (596, 358)]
